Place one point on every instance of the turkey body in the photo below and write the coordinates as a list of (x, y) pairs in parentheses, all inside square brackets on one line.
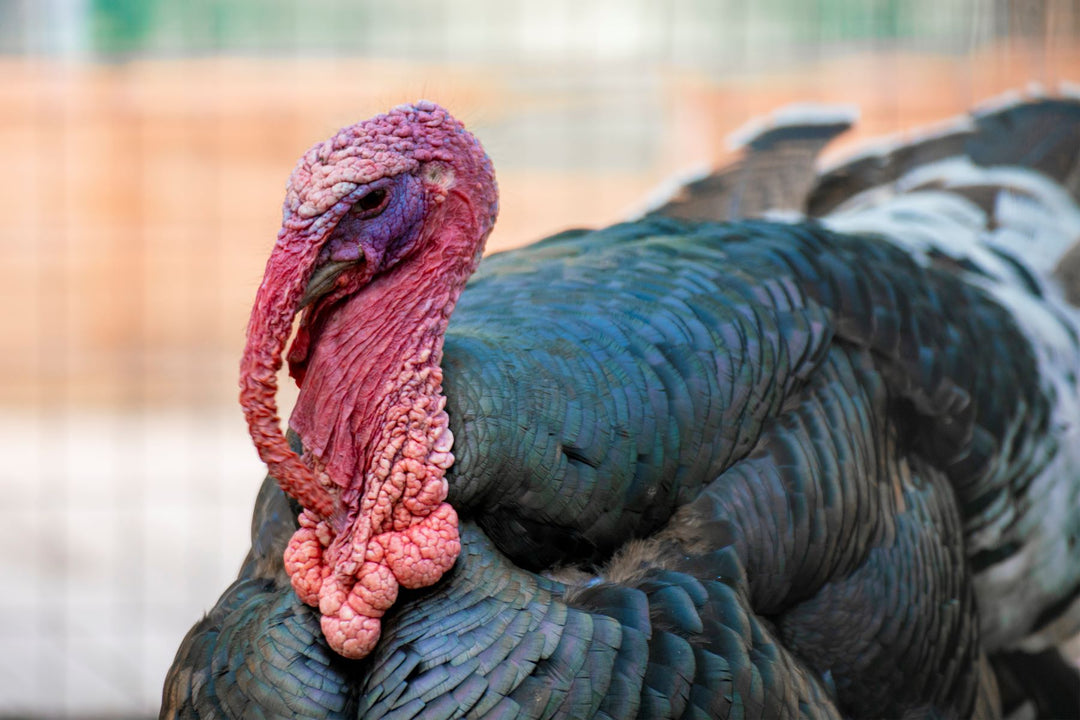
[(823, 468)]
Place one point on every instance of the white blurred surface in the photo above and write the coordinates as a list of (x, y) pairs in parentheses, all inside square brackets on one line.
[(121, 527)]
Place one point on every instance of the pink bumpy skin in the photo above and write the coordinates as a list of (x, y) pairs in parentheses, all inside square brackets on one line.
[(383, 224)]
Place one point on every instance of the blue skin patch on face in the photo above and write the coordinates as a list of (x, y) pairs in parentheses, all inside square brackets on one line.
[(383, 224)]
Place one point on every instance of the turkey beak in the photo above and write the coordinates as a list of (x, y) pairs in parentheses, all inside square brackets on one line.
[(323, 280)]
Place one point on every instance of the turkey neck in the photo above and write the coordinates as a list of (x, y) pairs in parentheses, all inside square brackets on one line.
[(371, 400), (370, 415)]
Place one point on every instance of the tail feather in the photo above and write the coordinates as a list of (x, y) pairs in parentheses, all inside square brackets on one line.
[(1004, 181), (1007, 178), (775, 172), (1041, 134), (884, 162)]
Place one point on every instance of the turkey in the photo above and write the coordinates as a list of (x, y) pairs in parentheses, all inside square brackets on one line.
[(694, 465)]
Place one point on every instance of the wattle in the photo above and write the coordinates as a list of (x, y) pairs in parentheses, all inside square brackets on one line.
[(371, 417)]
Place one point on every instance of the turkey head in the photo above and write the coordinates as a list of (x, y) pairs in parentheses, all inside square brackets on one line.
[(383, 224)]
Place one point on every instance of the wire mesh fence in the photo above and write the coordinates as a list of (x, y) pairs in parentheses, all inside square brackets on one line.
[(145, 149)]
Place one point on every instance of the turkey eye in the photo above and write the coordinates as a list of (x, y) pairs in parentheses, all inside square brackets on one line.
[(371, 203)]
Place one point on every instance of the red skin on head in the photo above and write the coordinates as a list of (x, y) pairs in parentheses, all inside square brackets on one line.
[(370, 409)]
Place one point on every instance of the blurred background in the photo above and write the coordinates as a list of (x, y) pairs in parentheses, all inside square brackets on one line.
[(144, 148)]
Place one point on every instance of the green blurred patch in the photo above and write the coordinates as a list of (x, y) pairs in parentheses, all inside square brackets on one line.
[(122, 26), (435, 28), (200, 26)]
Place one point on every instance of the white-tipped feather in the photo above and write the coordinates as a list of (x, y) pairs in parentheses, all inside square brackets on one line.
[(1006, 100), (793, 115), (1069, 89), (884, 145)]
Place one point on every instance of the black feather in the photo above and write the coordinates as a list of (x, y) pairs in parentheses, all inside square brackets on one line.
[(727, 470)]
